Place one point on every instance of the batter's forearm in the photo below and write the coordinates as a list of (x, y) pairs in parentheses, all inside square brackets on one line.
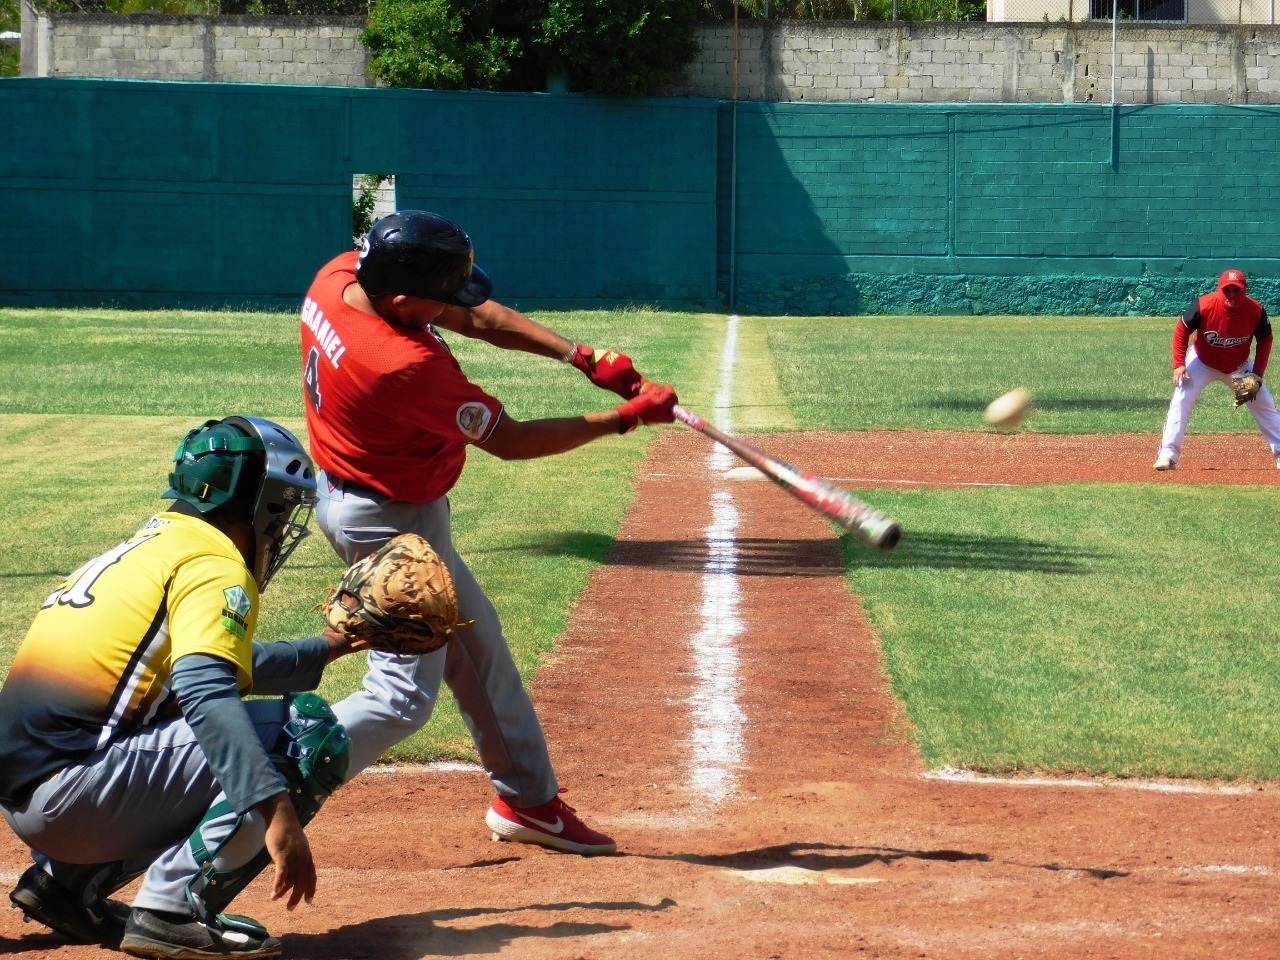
[(531, 439), (509, 329)]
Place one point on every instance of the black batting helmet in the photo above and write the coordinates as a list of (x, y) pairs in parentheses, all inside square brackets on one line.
[(421, 254)]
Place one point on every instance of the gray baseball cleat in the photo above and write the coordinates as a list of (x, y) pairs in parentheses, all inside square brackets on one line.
[(44, 900)]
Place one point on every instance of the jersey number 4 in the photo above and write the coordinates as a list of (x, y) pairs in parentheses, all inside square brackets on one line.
[(311, 378)]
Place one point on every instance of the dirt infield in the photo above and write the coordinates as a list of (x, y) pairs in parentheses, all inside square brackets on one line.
[(832, 843)]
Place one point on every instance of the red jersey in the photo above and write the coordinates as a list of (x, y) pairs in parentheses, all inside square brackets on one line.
[(387, 407), (1223, 337)]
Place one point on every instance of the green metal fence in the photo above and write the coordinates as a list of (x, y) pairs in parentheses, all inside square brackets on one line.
[(157, 194)]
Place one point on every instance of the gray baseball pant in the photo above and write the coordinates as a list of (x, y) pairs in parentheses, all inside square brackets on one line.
[(132, 806), (399, 693)]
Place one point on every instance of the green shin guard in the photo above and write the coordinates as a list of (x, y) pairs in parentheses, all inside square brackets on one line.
[(312, 756)]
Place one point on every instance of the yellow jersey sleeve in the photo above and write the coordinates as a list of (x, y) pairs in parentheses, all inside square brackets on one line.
[(213, 609)]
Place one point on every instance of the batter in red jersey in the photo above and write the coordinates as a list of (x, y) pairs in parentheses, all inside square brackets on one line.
[(391, 417), (1212, 341)]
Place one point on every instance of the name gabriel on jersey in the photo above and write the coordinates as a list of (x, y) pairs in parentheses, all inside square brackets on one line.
[(328, 338)]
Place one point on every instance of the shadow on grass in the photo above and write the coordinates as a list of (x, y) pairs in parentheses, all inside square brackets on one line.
[(749, 557), (953, 552), (758, 557)]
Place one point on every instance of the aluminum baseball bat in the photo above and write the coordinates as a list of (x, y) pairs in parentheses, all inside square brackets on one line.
[(863, 521)]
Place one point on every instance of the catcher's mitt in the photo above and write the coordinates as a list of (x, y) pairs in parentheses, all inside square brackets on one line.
[(399, 599), (1245, 386)]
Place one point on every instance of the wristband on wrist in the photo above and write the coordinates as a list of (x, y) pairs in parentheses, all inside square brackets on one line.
[(627, 417), (568, 357)]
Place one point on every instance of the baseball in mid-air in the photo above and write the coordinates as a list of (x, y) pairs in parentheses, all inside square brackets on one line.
[(1008, 411)]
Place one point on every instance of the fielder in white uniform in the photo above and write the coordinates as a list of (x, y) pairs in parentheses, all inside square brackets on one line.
[(1211, 341)]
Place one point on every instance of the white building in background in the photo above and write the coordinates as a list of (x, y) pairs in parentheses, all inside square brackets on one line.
[(1191, 12)]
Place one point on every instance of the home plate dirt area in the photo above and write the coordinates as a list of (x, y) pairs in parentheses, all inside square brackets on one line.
[(795, 819)]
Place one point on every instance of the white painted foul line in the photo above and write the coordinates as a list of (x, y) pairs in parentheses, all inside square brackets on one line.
[(953, 775), (440, 766), (718, 719), (792, 875), (879, 481)]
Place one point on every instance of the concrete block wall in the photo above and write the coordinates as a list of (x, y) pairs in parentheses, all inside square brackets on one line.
[(769, 61), (986, 63), (303, 50)]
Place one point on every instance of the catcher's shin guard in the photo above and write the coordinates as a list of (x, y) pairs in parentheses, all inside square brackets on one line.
[(313, 756)]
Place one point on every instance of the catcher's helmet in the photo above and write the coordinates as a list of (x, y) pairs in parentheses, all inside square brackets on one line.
[(421, 254), (251, 470)]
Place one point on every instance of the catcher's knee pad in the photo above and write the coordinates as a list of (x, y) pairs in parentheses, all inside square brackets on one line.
[(316, 753), (313, 754)]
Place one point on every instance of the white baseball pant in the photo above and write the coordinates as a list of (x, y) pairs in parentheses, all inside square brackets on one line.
[(1200, 375)]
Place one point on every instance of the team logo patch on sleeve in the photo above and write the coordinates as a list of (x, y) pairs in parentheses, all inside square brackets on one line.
[(235, 611), (473, 419)]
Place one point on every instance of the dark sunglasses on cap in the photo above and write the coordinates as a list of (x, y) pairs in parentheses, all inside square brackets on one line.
[(1232, 290)]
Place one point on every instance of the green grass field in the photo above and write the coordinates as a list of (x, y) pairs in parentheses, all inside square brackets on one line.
[(1095, 628)]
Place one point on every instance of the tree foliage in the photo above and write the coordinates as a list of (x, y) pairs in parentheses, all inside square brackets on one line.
[(618, 46), (424, 43), (595, 46)]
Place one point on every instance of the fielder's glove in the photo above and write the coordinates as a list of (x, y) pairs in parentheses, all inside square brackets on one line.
[(399, 599), (1245, 386)]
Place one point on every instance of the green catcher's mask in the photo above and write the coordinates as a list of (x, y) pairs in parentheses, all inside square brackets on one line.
[(252, 470)]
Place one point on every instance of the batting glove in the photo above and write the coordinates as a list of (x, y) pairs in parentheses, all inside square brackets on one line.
[(609, 370), (655, 404)]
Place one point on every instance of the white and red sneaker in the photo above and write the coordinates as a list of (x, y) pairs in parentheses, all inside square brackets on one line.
[(552, 824)]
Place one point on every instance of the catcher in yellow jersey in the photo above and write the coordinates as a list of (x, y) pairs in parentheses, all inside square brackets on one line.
[(126, 746)]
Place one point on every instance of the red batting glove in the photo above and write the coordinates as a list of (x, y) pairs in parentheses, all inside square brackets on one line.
[(609, 370), (655, 404)]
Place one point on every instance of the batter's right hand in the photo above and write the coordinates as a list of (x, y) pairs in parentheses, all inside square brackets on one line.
[(289, 850), (655, 404)]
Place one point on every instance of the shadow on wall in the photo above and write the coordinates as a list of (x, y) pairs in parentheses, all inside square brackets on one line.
[(777, 254), (958, 210)]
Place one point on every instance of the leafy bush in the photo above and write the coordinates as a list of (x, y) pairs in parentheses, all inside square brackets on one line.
[(618, 46), (423, 43), (597, 46), (10, 21), (364, 205)]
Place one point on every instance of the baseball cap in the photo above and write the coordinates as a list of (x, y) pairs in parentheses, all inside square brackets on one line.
[(1233, 278), (421, 254)]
